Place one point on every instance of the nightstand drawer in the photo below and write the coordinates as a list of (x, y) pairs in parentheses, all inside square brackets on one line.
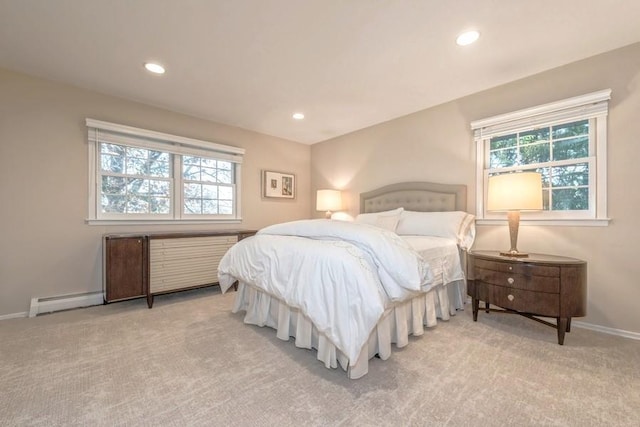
[(518, 281), (523, 268), (540, 303)]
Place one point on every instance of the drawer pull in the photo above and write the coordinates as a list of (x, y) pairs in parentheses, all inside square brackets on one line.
[(510, 268), (510, 280), (510, 297)]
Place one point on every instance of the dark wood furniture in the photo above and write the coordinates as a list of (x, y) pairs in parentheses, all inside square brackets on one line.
[(125, 267), (536, 286), (148, 264)]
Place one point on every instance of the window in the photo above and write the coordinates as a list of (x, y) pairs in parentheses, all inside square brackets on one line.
[(138, 175), (565, 142)]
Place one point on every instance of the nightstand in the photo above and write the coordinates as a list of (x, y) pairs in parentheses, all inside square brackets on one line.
[(536, 286)]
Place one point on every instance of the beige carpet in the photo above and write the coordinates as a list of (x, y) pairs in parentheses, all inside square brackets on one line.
[(189, 361)]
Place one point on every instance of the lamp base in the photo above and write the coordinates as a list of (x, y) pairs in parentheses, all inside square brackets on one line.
[(514, 224), (515, 254)]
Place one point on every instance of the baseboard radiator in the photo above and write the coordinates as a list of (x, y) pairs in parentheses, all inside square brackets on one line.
[(188, 262), (64, 302)]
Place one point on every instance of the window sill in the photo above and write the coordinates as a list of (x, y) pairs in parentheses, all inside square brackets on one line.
[(161, 221), (602, 222)]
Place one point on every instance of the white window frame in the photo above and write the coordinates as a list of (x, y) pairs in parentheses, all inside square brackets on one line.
[(594, 107), (177, 146)]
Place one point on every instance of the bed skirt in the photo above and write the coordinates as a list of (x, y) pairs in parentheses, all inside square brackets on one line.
[(397, 323)]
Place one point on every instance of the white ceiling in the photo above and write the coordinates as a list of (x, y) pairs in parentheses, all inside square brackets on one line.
[(347, 64)]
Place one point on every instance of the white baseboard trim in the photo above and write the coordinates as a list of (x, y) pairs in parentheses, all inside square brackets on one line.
[(14, 315), (597, 328), (64, 302), (606, 330)]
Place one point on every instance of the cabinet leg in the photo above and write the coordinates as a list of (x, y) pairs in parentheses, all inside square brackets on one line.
[(150, 300), (561, 326), (486, 307), (475, 303)]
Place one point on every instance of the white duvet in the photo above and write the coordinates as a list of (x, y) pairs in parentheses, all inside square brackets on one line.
[(340, 275)]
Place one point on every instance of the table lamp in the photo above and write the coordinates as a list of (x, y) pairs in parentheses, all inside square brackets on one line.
[(514, 192), (328, 201)]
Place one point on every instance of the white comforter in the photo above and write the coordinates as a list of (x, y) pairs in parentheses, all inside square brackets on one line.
[(340, 275)]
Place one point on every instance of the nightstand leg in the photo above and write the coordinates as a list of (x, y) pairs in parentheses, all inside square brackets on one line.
[(569, 324), (562, 324), (476, 303)]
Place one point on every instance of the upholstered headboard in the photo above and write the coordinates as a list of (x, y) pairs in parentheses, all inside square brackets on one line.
[(415, 196)]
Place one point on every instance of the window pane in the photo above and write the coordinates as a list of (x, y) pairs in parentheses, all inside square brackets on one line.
[(224, 165), (573, 199), (190, 160), (537, 153), (113, 149), (572, 148), (113, 185), (571, 129), (159, 164), (208, 175), (210, 207), (225, 176), (137, 166), (505, 141), (136, 204), (140, 153), (225, 207), (193, 190), (503, 158), (225, 193), (535, 135), (113, 204), (570, 175), (159, 188), (209, 163), (192, 206), (209, 191), (191, 173), (160, 205), (110, 163), (137, 186)]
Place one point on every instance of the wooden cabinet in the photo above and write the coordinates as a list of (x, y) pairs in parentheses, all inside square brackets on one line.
[(125, 267), (538, 285), (140, 265)]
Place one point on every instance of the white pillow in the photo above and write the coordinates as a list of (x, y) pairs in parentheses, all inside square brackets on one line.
[(456, 225), (387, 219)]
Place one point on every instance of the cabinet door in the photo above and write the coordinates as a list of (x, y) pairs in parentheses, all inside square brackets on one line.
[(125, 268)]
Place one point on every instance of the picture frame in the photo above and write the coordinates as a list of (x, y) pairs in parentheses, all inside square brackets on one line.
[(279, 185)]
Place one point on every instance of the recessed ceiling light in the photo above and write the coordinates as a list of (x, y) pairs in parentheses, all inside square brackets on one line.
[(298, 116), (154, 68), (467, 38)]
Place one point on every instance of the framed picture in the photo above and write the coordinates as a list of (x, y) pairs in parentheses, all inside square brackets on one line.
[(278, 184)]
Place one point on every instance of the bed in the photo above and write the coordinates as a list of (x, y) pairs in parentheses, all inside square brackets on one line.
[(401, 268)]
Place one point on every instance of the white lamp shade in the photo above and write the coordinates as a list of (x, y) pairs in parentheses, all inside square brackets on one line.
[(329, 200), (520, 191)]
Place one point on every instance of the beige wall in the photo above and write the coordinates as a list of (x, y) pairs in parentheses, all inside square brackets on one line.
[(437, 145), (46, 249)]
